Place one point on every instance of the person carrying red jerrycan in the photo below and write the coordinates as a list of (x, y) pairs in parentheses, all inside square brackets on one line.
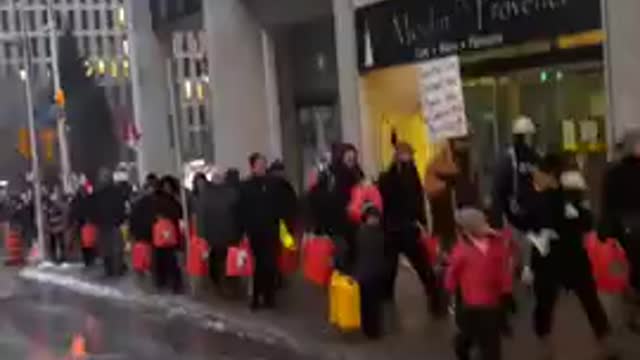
[(478, 276), (88, 242)]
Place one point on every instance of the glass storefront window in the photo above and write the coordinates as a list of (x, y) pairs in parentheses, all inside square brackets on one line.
[(567, 103)]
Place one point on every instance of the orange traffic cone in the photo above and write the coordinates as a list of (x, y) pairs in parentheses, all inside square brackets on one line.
[(78, 347)]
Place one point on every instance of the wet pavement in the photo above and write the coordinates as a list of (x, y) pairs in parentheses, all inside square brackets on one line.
[(42, 319), (39, 322)]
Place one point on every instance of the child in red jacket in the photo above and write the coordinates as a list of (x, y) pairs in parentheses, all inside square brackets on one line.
[(479, 276)]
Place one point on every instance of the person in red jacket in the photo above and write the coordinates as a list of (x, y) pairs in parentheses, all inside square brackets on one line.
[(479, 276)]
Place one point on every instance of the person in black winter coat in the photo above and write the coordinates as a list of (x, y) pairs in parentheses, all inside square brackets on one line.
[(78, 218), (108, 206), (558, 221), (513, 185), (286, 194), (259, 216), (329, 199), (404, 216), (141, 217), (217, 222), (621, 214), (166, 205)]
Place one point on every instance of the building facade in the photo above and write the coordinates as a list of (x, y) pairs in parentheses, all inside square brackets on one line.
[(100, 32), (284, 77)]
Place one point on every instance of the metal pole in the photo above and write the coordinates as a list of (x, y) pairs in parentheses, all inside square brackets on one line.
[(65, 166), (35, 159), (177, 147)]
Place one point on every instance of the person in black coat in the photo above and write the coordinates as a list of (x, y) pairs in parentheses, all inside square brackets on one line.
[(166, 205), (78, 211), (141, 216), (404, 216), (217, 223), (558, 221), (621, 214), (259, 218), (513, 184), (329, 199), (286, 194), (107, 210)]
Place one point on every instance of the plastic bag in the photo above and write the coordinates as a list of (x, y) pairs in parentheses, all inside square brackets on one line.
[(609, 264), (88, 236), (240, 260), (165, 234), (197, 264), (317, 253), (141, 257)]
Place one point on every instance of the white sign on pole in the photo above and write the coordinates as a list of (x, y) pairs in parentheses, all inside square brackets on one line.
[(442, 99)]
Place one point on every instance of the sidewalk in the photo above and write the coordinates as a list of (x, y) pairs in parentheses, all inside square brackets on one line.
[(299, 322)]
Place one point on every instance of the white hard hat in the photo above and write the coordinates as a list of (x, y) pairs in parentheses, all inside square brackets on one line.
[(523, 125)]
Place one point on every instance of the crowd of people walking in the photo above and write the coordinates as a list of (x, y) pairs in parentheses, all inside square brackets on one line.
[(534, 229)]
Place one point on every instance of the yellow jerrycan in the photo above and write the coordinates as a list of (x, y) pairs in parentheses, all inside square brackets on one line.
[(344, 302)]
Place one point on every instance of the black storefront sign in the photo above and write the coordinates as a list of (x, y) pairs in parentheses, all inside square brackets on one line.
[(403, 31)]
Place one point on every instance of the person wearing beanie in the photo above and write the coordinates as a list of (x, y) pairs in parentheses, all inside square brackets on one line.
[(369, 269), (405, 215), (559, 220), (513, 186), (478, 276)]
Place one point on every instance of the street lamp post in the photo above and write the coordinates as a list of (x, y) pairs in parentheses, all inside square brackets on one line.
[(65, 165), (35, 158)]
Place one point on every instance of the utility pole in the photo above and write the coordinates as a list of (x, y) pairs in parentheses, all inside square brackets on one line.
[(177, 148), (65, 165), (25, 44)]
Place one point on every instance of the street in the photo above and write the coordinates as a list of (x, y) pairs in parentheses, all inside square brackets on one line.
[(39, 322)]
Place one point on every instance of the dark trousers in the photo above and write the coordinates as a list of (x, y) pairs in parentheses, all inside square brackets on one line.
[(547, 285), (631, 245), (166, 271), (217, 261), (371, 307), (479, 327), (88, 256), (111, 250), (265, 252), (56, 247), (406, 241)]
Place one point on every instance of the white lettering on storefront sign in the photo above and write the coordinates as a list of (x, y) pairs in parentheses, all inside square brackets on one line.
[(507, 10)]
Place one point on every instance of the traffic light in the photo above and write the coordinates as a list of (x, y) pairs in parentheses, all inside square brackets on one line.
[(24, 144), (48, 140), (60, 98)]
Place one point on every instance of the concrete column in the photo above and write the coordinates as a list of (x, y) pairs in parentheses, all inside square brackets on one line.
[(239, 83), (150, 94), (355, 126), (622, 58)]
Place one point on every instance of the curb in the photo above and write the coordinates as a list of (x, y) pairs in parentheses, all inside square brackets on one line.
[(200, 314)]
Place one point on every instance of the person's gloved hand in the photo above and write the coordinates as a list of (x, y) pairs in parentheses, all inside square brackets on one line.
[(527, 276)]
